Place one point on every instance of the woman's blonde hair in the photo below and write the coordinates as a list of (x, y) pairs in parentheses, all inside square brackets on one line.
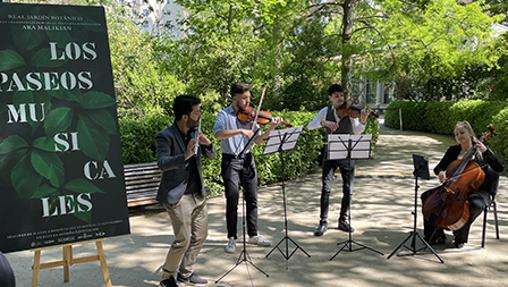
[(467, 126)]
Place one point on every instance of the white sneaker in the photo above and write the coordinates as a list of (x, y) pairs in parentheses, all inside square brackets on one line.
[(259, 240), (231, 246)]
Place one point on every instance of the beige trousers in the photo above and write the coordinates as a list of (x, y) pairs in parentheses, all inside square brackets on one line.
[(189, 218)]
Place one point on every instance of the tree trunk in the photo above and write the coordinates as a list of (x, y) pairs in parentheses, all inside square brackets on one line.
[(347, 31)]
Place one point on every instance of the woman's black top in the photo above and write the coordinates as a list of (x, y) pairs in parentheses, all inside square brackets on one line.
[(491, 165)]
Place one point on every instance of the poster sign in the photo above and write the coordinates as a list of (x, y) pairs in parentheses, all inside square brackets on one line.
[(61, 171)]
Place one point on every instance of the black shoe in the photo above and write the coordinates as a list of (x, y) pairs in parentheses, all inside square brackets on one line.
[(344, 226), (194, 279), (170, 282), (321, 229), (440, 239), (458, 245)]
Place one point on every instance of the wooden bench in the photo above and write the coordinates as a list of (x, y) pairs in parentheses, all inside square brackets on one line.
[(141, 183)]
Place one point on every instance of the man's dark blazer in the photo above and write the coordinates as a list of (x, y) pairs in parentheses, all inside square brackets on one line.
[(171, 160)]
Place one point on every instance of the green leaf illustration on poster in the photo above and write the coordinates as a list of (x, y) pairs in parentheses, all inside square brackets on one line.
[(23, 98), (10, 60), (44, 144), (61, 38), (63, 95), (81, 185), (58, 120), (93, 143), (55, 125), (45, 190), (12, 143), (49, 165), (24, 178), (42, 59), (96, 100), (103, 119), (25, 39)]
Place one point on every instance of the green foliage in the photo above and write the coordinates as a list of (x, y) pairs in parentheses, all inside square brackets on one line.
[(441, 117), (141, 84), (138, 146), (138, 134), (438, 50)]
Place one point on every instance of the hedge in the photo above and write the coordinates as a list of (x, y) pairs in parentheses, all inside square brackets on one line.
[(441, 117), (137, 136)]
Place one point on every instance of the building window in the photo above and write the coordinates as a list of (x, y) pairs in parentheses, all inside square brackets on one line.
[(370, 91)]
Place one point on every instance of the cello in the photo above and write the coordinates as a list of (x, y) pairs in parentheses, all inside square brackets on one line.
[(449, 201)]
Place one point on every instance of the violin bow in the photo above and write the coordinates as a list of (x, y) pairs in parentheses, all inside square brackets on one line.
[(259, 108)]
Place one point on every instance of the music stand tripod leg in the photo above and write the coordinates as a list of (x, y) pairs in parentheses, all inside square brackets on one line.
[(430, 248), (244, 256), (411, 234), (283, 136), (298, 247), (420, 170), (349, 243)]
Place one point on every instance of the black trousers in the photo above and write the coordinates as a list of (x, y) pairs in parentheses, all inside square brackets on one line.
[(478, 201), (347, 170), (236, 172)]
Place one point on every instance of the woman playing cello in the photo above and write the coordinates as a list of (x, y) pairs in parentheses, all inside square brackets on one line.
[(479, 198)]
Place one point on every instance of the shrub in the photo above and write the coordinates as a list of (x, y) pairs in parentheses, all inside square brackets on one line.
[(138, 146), (440, 118)]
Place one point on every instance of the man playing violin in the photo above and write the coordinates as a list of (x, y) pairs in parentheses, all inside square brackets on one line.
[(480, 198), (337, 123), (239, 168)]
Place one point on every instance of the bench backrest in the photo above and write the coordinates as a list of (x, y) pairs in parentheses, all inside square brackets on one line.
[(141, 183)]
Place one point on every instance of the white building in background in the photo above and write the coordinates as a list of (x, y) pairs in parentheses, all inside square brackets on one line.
[(376, 94), (157, 16)]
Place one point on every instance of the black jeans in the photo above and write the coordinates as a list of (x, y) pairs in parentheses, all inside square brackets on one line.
[(347, 170), (478, 201), (236, 172)]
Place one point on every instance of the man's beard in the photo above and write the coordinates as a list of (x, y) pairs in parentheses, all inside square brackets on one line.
[(192, 124), (239, 107)]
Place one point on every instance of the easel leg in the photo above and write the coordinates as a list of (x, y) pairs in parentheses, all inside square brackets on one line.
[(36, 268), (104, 265), (67, 249)]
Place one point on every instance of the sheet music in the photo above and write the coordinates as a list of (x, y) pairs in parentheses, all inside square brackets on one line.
[(338, 146), (289, 135)]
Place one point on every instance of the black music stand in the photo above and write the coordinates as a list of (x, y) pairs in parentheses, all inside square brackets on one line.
[(350, 147), (279, 141), (421, 169), (244, 255)]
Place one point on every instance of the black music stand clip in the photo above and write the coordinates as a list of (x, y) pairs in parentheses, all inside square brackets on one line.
[(279, 141), (421, 170), (349, 147)]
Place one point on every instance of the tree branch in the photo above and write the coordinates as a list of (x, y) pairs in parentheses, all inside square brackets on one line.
[(370, 17)]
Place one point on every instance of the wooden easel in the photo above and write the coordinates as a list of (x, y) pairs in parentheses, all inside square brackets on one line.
[(67, 261)]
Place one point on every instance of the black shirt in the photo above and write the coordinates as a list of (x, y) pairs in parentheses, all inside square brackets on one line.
[(193, 180), (491, 165)]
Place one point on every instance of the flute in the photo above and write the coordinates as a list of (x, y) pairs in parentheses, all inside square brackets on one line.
[(196, 137)]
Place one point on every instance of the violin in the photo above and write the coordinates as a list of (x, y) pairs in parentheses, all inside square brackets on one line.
[(248, 115), (352, 110)]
